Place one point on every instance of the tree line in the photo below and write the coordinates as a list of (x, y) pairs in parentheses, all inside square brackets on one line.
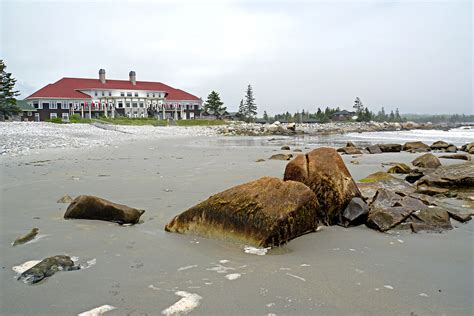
[(247, 108)]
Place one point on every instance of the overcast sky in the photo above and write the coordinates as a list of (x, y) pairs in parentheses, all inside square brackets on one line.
[(416, 56)]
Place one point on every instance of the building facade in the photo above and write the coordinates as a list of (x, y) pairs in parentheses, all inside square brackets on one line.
[(92, 98)]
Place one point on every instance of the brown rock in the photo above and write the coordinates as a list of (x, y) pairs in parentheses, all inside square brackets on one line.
[(399, 168), (457, 156), (426, 161), (350, 150), (281, 157), (324, 172), (260, 160), (425, 189), (350, 144), (389, 209), (416, 146), (431, 219), (390, 148), (457, 176), (382, 180), (65, 199), (266, 212), (438, 145), (374, 149), (469, 147), (451, 149), (285, 147), (92, 207)]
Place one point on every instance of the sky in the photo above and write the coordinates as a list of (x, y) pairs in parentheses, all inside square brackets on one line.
[(297, 55)]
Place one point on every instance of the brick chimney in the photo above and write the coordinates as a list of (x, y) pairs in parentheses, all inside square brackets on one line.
[(133, 77), (102, 75)]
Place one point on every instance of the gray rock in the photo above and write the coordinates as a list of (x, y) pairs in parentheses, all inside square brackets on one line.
[(355, 212)]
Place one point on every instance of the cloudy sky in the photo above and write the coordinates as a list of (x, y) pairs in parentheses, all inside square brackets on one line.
[(416, 56)]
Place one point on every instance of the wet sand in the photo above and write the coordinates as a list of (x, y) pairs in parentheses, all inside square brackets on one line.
[(140, 268)]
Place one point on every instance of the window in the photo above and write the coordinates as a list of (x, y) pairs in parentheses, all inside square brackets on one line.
[(95, 93), (122, 94), (136, 94), (110, 93), (135, 104), (70, 104), (153, 94), (127, 104), (129, 94), (103, 93), (66, 116), (66, 106), (58, 105), (120, 105), (147, 95), (36, 104), (141, 104), (53, 115), (29, 113), (45, 105)]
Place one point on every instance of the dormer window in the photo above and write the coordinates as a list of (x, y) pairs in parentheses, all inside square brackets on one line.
[(122, 94), (136, 94), (153, 94), (95, 93), (129, 94), (103, 93), (110, 93)]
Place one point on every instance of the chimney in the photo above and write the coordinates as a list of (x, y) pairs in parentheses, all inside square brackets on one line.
[(133, 77), (102, 75)]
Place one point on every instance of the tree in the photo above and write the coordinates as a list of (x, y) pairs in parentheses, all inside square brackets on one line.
[(241, 113), (392, 116), (250, 106), (358, 106), (8, 105), (214, 104), (397, 116), (265, 116)]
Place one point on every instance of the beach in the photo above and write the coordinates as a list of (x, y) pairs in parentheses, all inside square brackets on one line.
[(142, 270)]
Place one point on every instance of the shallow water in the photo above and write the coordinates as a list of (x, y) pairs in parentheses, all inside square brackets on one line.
[(141, 269)]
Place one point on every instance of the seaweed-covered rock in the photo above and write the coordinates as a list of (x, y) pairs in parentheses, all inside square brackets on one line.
[(390, 148), (92, 207), (47, 268), (374, 149), (416, 147), (23, 239), (355, 212), (265, 212), (324, 172), (430, 219), (399, 168), (439, 145), (383, 180), (281, 157), (388, 209), (427, 161)]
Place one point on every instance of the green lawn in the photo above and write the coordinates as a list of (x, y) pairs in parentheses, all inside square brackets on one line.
[(200, 122), (155, 122)]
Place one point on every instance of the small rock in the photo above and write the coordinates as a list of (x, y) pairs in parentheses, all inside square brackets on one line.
[(281, 157), (355, 212), (285, 147), (399, 168), (65, 199), (427, 161)]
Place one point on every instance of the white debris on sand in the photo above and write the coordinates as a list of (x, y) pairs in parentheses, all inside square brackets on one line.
[(20, 138), (187, 303), (25, 266), (296, 277), (187, 267), (97, 311)]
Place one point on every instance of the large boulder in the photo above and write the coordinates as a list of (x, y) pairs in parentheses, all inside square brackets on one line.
[(324, 172), (262, 213), (390, 148), (349, 150), (457, 176), (451, 149), (416, 147), (355, 212), (427, 161), (439, 145), (469, 147), (92, 207), (388, 209), (47, 268)]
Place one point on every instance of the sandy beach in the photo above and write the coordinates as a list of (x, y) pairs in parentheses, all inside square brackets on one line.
[(142, 270)]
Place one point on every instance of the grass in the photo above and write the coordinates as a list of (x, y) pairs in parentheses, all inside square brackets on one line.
[(200, 122), (155, 122)]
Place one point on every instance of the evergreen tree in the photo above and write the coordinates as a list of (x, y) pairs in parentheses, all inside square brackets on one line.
[(358, 106), (242, 113), (265, 116), (392, 116), (8, 105), (214, 104), (397, 116), (250, 106)]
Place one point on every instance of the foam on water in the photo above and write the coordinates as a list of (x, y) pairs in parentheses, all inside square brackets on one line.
[(233, 276), (98, 310), (187, 303), (256, 251)]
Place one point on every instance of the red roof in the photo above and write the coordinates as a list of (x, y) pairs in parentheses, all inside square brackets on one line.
[(68, 88)]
